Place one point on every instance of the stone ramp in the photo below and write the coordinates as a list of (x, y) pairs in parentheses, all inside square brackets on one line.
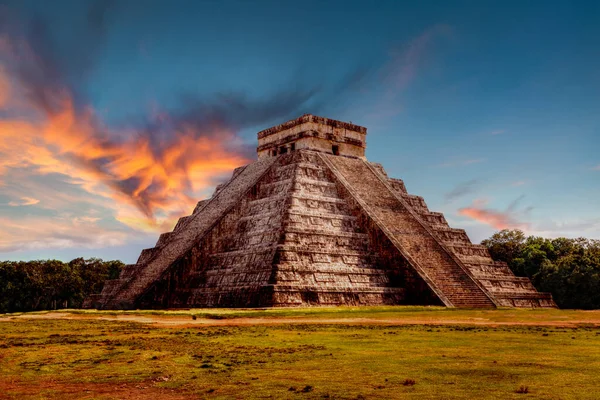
[(440, 268), (495, 277), (123, 293)]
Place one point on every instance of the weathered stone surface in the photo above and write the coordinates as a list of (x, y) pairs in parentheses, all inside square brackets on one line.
[(315, 224)]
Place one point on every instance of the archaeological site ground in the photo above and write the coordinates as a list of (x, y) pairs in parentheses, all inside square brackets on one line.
[(367, 352), (312, 222)]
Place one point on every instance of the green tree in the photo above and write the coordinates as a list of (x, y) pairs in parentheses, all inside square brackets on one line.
[(567, 268), (52, 284)]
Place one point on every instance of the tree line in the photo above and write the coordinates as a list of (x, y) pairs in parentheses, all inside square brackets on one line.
[(52, 284), (567, 268)]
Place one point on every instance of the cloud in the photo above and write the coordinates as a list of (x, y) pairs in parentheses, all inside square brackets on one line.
[(512, 207), (461, 190), (596, 168), (4, 88), (498, 219), (497, 132), (573, 228), (519, 183), (406, 60), (402, 68), (513, 218), (25, 201), (34, 233), (459, 163)]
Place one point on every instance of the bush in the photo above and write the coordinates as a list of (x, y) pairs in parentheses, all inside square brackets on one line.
[(567, 268)]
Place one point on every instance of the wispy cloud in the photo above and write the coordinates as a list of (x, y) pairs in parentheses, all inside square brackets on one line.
[(570, 228), (32, 233), (596, 168), (519, 183), (24, 201), (497, 132), (462, 189), (402, 68), (507, 219), (4, 88), (406, 60), (463, 162)]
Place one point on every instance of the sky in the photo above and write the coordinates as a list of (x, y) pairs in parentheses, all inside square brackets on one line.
[(117, 117)]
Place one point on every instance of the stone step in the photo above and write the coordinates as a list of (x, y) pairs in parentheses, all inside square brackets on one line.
[(306, 196), (318, 288), (452, 236), (295, 211), (310, 165), (201, 204), (264, 215), (319, 232), (274, 183), (416, 202), (146, 255), (248, 251), (398, 185), (163, 239), (113, 286), (435, 218), (266, 200), (181, 223), (129, 271), (469, 251), (526, 300), (489, 267), (378, 168)]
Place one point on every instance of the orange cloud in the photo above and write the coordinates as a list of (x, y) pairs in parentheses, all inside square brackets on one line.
[(4, 88), (25, 201), (130, 170), (497, 219), (150, 180)]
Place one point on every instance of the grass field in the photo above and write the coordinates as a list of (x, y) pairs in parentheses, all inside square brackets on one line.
[(341, 353)]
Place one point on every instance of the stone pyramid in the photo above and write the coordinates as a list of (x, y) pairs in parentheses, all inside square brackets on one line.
[(312, 222)]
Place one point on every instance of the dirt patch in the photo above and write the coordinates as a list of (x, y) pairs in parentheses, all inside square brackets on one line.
[(184, 321), (52, 389)]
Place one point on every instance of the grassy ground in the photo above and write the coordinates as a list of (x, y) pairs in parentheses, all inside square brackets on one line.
[(345, 353)]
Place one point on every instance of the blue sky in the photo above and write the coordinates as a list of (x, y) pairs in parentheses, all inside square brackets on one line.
[(116, 117)]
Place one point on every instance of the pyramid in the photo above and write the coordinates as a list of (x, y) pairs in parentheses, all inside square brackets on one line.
[(312, 222)]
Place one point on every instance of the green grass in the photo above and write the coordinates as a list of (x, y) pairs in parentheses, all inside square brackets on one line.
[(97, 358)]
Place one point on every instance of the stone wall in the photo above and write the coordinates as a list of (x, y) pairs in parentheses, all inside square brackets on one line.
[(315, 133)]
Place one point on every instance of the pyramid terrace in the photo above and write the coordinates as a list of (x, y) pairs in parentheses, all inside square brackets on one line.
[(312, 222)]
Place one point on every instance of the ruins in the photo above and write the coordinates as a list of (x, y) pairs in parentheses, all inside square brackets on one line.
[(312, 222)]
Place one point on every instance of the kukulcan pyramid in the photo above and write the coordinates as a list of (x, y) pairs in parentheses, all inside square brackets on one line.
[(312, 222)]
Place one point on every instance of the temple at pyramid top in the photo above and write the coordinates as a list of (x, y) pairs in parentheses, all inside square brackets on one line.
[(310, 132), (312, 222)]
